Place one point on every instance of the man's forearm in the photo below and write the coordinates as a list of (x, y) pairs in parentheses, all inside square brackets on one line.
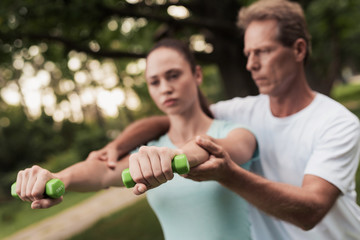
[(140, 132), (301, 206)]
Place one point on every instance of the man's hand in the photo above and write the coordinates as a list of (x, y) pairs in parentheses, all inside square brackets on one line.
[(30, 187), (216, 168), (109, 153)]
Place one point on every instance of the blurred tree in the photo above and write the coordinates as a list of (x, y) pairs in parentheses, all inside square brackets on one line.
[(335, 37), (125, 30)]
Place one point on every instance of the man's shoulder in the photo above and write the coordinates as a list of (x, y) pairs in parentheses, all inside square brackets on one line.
[(329, 113), (333, 108), (248, 101)]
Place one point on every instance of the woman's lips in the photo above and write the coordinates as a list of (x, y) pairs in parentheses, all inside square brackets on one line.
[(170, 102)]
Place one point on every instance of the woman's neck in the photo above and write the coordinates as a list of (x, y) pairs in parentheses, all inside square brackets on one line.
[(186, 126)]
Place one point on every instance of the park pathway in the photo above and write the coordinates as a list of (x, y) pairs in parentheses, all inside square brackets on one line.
[(79, 217)]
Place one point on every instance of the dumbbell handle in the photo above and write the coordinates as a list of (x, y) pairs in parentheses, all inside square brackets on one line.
[(179, 164), (54, 188)]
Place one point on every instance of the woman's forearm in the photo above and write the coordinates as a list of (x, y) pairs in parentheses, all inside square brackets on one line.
[(89, 176)]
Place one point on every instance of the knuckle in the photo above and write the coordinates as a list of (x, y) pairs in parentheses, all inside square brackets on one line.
[(163, 150), (92, 154), (133, 157), (35, 168), (143, 149)]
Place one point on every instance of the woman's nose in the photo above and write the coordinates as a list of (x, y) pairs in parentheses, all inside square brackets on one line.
[(166, 87)]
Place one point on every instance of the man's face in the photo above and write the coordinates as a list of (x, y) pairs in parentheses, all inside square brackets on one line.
[(273, 66)]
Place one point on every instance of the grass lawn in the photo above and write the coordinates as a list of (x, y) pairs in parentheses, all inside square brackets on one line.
[(137, 222), (16, 215)]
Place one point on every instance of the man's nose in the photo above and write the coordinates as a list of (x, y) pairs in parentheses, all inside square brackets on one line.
[(252, 62)]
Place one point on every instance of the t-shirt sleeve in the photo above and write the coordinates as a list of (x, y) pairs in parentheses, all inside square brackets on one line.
[(336, 154), (224, 109)]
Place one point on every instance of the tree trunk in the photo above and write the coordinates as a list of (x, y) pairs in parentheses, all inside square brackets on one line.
[(232, 65)]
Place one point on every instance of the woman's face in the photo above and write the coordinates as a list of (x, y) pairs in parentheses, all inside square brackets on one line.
[(171, 83)]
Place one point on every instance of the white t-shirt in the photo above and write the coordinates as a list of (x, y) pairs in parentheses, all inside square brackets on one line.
[(323, 140)]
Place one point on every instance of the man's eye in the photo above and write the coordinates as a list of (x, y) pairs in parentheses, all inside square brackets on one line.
[(173, 76)]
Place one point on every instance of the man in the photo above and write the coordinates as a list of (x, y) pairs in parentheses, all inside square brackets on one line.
[(309, 144)]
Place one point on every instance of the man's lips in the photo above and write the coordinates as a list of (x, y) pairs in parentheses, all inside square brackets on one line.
[(259, 79)]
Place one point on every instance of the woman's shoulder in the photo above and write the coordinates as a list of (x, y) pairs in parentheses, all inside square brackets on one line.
[(221, 128)]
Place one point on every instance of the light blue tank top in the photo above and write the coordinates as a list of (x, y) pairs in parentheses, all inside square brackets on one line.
[(189, 210)]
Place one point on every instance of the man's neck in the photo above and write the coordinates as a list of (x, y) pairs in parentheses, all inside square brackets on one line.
[(291, 102)]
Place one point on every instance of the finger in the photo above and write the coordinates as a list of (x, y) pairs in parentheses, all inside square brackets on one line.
[(45, 203), (38, 189), (24, 182), (112, 157), (147, 171), (140, 189), (165, 160), (155, 161), (19, 184), (30, 185), (210, 146), (102, 155), (135, 169)]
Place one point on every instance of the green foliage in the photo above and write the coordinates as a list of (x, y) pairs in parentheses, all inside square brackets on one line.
[(24, 143), (335, 34)]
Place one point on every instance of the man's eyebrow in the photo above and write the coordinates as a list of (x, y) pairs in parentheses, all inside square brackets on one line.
[(173, 70)]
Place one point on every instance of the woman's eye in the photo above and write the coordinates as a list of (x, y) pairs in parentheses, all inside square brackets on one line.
[(154, 83)]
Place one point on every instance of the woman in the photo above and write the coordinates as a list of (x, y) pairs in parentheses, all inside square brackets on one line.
[(186, 209)]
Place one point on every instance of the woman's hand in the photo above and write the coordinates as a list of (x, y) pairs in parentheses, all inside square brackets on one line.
[(109, 154), (30, 186), (151, 167)]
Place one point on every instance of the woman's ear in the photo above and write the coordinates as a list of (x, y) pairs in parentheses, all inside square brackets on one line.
[(198, 75), (300, 48)]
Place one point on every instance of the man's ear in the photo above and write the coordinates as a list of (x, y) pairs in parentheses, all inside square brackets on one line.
[(300, 48), (198, 75)]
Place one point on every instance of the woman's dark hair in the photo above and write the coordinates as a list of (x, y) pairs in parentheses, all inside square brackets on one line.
[(184, 50)]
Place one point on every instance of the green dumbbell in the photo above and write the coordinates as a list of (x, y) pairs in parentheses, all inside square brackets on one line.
[(54, 188), (179, 164)]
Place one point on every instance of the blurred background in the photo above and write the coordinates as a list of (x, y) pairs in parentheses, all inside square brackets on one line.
[(71, 79)]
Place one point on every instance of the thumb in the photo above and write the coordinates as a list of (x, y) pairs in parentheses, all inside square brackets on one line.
[(45, 203), (210, 146), (139, 189)]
